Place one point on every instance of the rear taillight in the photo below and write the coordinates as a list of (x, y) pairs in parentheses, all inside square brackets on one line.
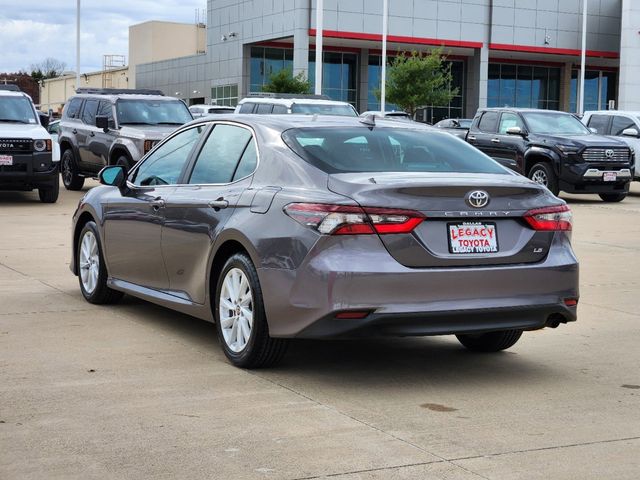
[(557, 218), (347, 220)]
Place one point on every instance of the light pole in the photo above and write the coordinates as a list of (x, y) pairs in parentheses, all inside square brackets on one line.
[(383, 73), (319, 25), (78, 46), (583, 58)]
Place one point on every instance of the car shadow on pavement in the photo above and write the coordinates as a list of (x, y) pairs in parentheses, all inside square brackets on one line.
[(368, 362)]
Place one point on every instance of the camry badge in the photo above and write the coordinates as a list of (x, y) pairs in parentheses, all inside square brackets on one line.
[(609, 153), (477, 199)]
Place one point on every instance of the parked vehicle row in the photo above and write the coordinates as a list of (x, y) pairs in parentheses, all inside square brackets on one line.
[(28, 158)]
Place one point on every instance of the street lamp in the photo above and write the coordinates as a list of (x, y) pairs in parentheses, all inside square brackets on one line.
[(78, 46), (319, 30), (383, 73), (583, 58)]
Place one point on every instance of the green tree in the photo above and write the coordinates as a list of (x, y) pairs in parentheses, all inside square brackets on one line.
[(419, 79), (285, 82)]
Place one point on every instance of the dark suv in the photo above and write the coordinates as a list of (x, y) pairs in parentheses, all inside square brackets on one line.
[(554, 149), (113, 127)]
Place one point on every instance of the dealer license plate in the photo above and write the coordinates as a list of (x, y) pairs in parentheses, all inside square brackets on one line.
[(6, 160), (610, 176), (473, 237)]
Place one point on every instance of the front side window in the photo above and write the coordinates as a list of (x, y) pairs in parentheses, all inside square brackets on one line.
[(152, 112), (620, 124), (165, 164), (219, 157), (509, 120), (105, 110), (16, 109), (89, 112), (360, 149), (554, 123)]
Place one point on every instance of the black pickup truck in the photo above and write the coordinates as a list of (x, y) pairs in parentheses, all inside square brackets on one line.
[(554, 149)]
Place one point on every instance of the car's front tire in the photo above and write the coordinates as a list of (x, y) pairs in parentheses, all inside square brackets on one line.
[(543, 174), (50, 194), (240, 318), (92, 272), (490, 342), (613, 197), (69, 171)]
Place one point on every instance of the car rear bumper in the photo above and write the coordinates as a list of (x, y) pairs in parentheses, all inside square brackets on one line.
[(358, 274)]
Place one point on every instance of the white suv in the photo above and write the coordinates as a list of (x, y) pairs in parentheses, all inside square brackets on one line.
[(28, 159), (282, 104), (617, 123)]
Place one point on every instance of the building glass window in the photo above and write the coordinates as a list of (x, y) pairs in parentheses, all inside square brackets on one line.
[(599, 88), (524, 86), (266, 62), (225, 95), (339, 75)]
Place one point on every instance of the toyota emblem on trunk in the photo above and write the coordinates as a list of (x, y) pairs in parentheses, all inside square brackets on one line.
[(477, 199), (609, 153)]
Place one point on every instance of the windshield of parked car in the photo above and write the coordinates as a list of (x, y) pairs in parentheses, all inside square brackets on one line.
[(323, 109), (383, 149), (17, 109), (152, 112), (554, 123)]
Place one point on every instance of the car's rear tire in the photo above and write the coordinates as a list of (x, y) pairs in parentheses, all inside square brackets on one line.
[(69, 171), (50, 194), (613, 197), (543, 174), (240, 318), (490, 342), (92, 272)]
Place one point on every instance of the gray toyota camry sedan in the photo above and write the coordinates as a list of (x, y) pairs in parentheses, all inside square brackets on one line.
[(282, 227)]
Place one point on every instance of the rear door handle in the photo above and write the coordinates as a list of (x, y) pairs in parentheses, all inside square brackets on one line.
[(74, 131), (92, 134), (471, 138), (157, 204), (219, 204), (495, 140)]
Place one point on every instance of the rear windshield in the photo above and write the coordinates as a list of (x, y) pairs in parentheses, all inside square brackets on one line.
[(385, 149), (320, 109)]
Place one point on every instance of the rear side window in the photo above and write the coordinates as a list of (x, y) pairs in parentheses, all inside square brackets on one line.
[(248, 161), (359, 149), (264, 108), (247, 108), (73, 108), (89, 112), (280, 110), (600, 123), (620, 124), (488, 122), (220, 155)]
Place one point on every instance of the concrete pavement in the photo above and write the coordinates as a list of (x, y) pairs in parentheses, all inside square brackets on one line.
[(137, 391)]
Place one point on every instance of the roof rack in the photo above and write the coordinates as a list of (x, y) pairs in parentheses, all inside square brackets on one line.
[(119, 91), (10, 87), (287, 95)]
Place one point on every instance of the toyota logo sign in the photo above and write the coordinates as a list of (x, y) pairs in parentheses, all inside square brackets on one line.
[(609, 153), (477, 199)]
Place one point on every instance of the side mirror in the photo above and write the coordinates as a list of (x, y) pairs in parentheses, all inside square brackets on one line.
[(630, 132), (44, 119), (103, 123), (113, 176), (593, 130), (516, 131)]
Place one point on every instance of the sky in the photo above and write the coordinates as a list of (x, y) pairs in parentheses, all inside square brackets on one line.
[(32, 30)]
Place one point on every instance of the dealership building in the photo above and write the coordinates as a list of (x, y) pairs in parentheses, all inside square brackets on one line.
[(523, 53)]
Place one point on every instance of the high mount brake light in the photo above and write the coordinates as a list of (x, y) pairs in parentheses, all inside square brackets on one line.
[(558, 218), (347, 220)]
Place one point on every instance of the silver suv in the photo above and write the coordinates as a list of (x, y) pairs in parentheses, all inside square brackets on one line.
[(113, 127)]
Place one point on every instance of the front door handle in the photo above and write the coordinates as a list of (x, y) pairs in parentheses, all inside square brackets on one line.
[(74, 131), (471, 138), (157, 204), (92, 134), (495, 140), (219, 204)]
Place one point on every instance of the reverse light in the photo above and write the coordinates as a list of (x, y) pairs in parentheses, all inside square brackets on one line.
[(348, 220), (558, 218)]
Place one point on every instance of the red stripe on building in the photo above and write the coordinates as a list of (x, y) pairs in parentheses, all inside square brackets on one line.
[(396, 39), (551, 50)]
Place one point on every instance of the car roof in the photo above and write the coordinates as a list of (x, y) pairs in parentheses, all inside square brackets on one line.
[(13, 93), (613, 112), (204, 105), (288, 102), (520, 109), (286, 122), (128, 96)]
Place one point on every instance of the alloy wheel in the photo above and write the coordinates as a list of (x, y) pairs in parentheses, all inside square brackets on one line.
[(236, 310), (89, 262), (67, 173), (539, 176)]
